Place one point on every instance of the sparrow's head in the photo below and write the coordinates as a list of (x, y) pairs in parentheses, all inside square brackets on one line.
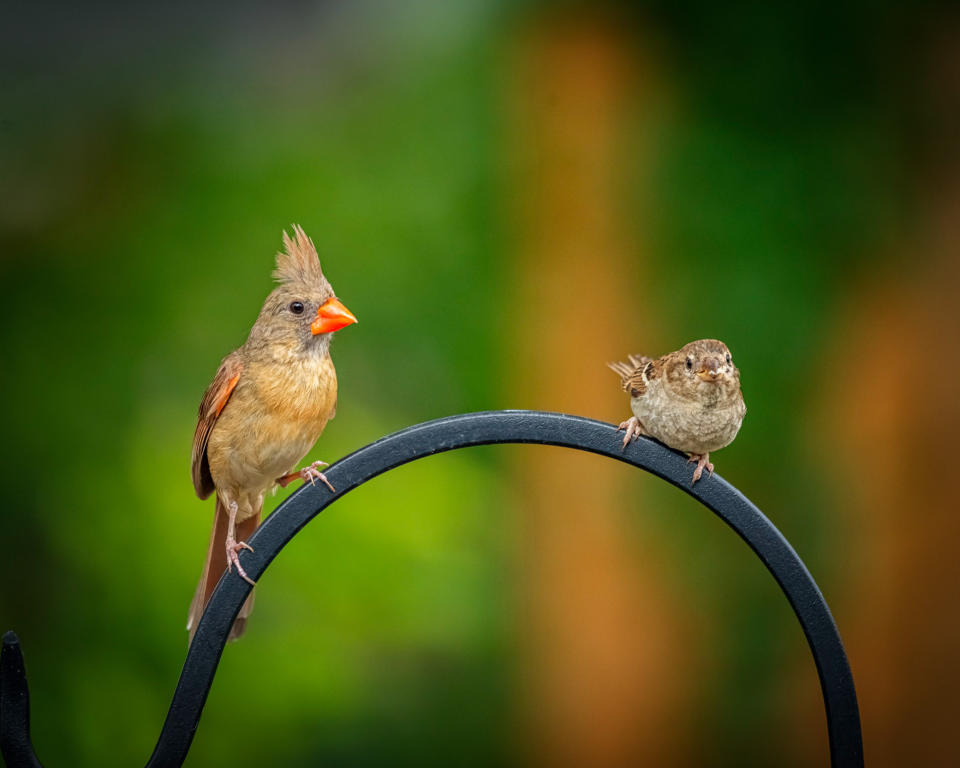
[(302, 312), (704, 369)]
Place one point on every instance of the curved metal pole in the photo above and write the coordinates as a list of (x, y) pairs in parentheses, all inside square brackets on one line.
[(836, 681)]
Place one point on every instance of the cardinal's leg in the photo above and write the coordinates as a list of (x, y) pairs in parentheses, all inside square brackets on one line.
[(703, 462), (634, 429), (233, 546), (309, 474)]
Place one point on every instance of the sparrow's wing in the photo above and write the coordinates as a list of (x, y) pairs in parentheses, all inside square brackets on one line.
[(633, 375), (214, 401)]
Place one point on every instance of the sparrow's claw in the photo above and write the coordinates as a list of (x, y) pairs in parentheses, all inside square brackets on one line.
[(703, 462), (309, 474), (634, 429), (234, 548)]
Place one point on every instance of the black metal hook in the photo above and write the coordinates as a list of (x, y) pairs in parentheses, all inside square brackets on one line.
[(836, 681)]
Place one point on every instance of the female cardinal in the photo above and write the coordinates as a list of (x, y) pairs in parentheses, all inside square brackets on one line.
[(689, 399), (266, 407)]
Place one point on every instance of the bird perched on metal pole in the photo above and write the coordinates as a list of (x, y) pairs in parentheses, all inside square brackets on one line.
[(689, 400), (268, 404)]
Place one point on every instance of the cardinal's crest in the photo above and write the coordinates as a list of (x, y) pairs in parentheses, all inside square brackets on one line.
[(298, 261)]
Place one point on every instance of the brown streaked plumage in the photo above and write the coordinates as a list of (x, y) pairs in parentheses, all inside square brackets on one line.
[(269, 402), (690, 399)]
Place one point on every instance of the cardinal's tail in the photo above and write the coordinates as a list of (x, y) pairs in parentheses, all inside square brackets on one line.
[(216, 564)]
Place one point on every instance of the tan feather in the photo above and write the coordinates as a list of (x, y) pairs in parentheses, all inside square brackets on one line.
[(214, 401), (632, 374), (298, 261), (623, 370)]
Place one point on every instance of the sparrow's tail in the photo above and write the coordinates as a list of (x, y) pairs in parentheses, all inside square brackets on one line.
[(623, 370), (627, 370), (216, 564)]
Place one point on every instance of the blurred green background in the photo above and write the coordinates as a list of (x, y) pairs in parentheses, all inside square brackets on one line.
[(784, 178)]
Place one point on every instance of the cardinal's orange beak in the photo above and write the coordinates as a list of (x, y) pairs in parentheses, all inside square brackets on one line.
[(331, 316)]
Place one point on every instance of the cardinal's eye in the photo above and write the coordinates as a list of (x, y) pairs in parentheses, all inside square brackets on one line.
[(729, 359), (297, 308), (689, 364)]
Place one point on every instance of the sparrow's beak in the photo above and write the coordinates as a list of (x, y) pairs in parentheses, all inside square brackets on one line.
[(710, 370), (331, 316)]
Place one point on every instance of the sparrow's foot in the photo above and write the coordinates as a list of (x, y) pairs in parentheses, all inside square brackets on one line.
[(703, 462), (634, 429), (309, 474)]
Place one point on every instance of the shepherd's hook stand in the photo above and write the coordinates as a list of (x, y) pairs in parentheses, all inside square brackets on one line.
[(836, 682)]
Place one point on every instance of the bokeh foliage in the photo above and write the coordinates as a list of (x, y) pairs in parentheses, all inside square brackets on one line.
[(149, 159)]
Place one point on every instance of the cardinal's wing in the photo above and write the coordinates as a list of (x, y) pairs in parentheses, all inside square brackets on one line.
[(214, 401)]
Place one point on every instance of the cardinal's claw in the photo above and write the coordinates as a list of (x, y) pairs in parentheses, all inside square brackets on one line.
[(703, 462), (634, 429), (233, 558), (313, 474), (309, 474)]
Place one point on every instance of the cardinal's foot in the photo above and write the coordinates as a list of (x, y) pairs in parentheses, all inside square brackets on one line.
[(309, 474), (703, 462), (234, 548), (634, 429)]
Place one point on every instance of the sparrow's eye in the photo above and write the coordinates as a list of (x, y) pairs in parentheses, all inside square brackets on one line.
[(729, 359), (689, 363), (296, 307)]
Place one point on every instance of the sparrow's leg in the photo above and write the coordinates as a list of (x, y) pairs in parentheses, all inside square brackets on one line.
[(308, 474), (234, 547), (634, 429), (703, 462)]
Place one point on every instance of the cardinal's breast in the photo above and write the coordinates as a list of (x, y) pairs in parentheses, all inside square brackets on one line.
[(272, 421)]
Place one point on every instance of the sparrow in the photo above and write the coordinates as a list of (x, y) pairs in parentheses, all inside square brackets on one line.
[(689, 400), (269, 402)]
